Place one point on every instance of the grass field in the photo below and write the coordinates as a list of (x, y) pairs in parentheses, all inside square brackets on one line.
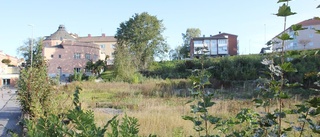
[(156, 107)]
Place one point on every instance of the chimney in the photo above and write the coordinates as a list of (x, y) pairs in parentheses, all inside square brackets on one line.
[(219, 32), (204, 35), (103, 35), (210, 35), (89, 35)]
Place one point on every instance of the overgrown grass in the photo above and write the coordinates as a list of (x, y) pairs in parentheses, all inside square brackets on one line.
[(158, 110)]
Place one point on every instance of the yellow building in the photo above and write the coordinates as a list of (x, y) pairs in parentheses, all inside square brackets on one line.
[(106, 43), (9, 73)]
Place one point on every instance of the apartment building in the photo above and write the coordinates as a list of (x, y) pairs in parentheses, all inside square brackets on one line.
[(65, 54), (106, 44), (306, 39), (222, 44), (9, 73)]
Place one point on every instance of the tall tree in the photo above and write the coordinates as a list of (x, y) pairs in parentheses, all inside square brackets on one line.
[(190, 33), (138, 40), (34, 86)]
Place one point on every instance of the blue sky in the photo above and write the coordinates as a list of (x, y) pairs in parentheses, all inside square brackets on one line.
[(252, 20)]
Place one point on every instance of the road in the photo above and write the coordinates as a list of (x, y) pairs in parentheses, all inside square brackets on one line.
[(10, 112)]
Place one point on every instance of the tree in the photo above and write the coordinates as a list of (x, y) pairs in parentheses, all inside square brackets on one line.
[(34, 85), (96, 67), (6, 61), (138, 40), (25, 50), (190, 33), (304, 42), (174, 54)]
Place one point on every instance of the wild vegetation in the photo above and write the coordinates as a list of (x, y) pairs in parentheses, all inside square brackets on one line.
[(164, 97)]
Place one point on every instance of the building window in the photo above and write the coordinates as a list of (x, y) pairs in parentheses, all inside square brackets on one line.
[(88, 56), (59, 56), (113, 46), (311, 35), (52, 56), (102, 46), (95, 57), (77, 56), (222, 41), (87, 70), (311, 44), (78, 70)]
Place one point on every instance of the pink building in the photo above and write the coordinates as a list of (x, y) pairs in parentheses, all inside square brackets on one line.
[(65, 54)]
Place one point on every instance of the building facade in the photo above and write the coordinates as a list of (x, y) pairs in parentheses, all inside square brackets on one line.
[(222, 44), (106, 43), (306, 39), (65, 54), (9, 73)]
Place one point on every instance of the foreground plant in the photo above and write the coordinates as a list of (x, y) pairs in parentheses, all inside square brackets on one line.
[(200, 117)]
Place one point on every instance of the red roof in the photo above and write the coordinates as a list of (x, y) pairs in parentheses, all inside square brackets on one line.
[(309, 22)]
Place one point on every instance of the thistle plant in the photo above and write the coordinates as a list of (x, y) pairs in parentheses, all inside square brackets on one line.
[(273, 89), (200, 103)]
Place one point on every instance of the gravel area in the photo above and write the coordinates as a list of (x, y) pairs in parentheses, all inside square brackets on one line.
[(10, 112)]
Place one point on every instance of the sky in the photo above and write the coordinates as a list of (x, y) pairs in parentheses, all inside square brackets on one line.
[(252, 20)]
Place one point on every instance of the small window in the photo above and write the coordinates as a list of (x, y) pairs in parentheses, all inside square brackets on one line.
[(77, 55), (52, 56), (88, 56), (102, 46), (78, 70), (95, 57), (311, 35), (87, 70), (59, 56), (113, 46), (311, 43)]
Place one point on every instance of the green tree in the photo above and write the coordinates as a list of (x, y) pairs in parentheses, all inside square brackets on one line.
[(138, 40), (25, 49), (190, 33), (34, 88), (174, 54)]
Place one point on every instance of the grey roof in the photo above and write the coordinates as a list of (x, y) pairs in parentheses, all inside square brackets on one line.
[(60, 34)]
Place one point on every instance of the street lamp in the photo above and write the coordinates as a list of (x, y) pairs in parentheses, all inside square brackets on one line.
[(31, 46)]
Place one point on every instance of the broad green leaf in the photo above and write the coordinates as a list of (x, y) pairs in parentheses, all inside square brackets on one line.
[(284, 11), (302, 108), (283, 1), (258, 102), (283, 95), (287, 67), (213, 120), (188, 118), (197, 123), (285, 36), (294, 85), (288, 129), (297, 27), (314, 102), (280, 114)]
